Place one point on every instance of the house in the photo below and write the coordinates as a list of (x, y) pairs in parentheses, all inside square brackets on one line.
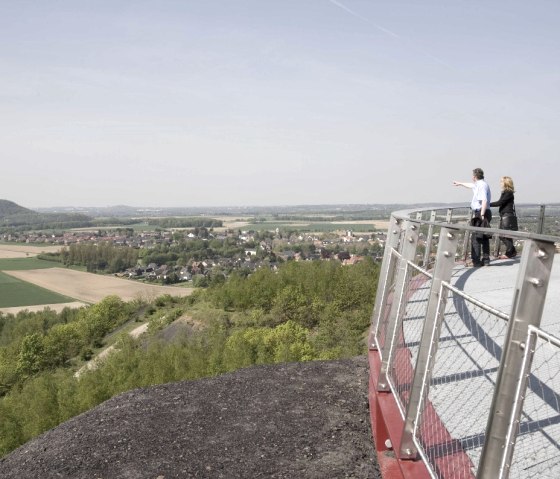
[(134, 272), (197, 267), (185, 274), (162, 272), (343, 255), (287, 255), (354, 259)]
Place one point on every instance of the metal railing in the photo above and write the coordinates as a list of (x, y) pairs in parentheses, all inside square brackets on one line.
[(477, 387)]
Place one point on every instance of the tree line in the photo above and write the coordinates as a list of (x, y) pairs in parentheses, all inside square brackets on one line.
[(103, 257)]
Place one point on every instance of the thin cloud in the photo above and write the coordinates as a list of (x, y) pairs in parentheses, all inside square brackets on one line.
[(357, 15), (390, 33)]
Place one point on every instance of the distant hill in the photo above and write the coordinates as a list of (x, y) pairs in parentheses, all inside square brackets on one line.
[(16, 217), (8, 208)]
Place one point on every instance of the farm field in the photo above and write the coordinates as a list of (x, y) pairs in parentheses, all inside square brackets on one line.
[(18, 295), (15, 292), (8, 250), (91, 288), (13, 264), (319, 226)]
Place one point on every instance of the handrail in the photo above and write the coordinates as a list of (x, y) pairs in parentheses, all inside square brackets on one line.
[(413, 320), (521, 235)]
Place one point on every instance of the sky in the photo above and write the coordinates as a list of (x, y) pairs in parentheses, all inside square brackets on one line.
[(276, 102)]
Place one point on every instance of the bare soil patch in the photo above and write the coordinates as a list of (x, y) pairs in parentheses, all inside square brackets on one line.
[(378, 224), (23, 251), (230, 222), (91, 287)]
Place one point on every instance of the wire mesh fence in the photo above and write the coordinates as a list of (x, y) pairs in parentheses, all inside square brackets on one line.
[(452, 419), (388, 293), (537, 445), (418, 286)]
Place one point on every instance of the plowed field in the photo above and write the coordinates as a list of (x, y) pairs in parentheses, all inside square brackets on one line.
[(22, 251)]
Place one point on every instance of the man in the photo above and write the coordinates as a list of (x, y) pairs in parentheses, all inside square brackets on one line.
[(481, 215)]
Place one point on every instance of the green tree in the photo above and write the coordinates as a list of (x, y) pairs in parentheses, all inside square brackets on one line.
[(289, 342), (102, 317), (8, 368), (62, 343), (31, 355)]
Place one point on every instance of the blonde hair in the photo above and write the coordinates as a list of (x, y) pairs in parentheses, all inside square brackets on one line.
[(507, 182)]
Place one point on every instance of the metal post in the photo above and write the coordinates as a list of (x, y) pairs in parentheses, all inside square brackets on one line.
[(467, 240), (447, 247), (387, 271), (540, 224), (429, 239), (466, 244), (449, 215), (527, 308), (407, 254)]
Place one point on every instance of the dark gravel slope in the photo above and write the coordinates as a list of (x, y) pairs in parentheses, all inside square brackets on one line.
[(300, 420)]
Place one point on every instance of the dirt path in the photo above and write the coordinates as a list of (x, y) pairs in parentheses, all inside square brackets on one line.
[(103, 354)]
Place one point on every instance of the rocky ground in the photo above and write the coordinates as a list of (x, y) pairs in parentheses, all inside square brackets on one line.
[(300, 420)]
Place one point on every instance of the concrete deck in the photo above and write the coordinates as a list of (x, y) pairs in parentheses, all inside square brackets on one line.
[(494, 285)]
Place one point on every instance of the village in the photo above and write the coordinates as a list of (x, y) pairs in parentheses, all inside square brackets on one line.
[(202, 255)]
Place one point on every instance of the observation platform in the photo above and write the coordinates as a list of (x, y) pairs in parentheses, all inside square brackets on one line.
[(465, 362), (466, 368), (537, 450)]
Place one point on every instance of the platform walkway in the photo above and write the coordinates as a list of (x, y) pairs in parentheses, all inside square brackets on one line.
[(466, 366)]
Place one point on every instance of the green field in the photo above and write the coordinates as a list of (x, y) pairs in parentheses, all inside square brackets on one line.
[(319, 227), (332, 227), (18, 264), (14, 292)]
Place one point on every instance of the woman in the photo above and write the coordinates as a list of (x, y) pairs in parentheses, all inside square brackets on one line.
[(508, 218)]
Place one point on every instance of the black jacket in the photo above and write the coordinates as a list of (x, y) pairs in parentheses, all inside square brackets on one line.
[(505, 203)]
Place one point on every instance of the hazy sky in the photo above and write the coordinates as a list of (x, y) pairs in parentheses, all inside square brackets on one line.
[(276, 102)]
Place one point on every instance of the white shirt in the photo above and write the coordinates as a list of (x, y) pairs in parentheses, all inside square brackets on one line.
[(481, 191)]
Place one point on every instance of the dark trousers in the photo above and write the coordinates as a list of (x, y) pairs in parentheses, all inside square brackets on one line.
[(511, 252), (480, 243)]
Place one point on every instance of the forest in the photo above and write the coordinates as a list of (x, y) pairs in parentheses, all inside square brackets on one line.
[(304, 311)]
